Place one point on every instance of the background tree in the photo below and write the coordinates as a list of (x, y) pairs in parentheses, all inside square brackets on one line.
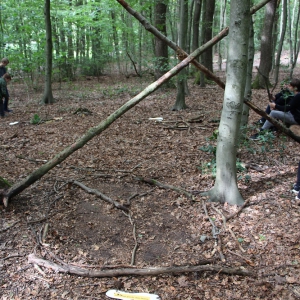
[(281, 40), (182, 88), (48, 96), (161, 48), (266, 47)]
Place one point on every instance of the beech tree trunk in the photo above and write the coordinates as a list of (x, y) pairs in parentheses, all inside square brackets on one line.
[(282, 36), (161, 48), (48, 96), (266, 57), (182, 88), (225, 188)]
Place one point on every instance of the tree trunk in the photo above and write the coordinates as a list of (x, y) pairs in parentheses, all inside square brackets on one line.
[(48, 96), (266, 58), (207, 24), (225, 188), (182, 88), (92, 132), (295, 43), (161, 48), (195, 39), (282, 36), (248, 87)]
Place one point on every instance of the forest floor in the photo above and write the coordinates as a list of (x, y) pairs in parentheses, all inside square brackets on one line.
[(168, 228)]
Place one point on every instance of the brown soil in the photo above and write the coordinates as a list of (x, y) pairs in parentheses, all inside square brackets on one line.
[(86, 231)]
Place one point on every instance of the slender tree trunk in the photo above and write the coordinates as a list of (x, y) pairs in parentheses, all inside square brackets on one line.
[(282, 36), (48, 96), (248, 87), (225, 188), (161, 48), (116, 39), (296, 42), (182, 88), (208, 26), (266, 47)]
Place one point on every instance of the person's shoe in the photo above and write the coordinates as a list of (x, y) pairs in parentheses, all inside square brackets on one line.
[(296, 198), (296, 189), (260, 122), (254, 137)]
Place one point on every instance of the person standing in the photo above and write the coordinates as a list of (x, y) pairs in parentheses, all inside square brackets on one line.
[(4, 62), (4, 80)]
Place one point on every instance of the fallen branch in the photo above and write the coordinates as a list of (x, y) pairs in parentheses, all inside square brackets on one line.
[(68, 269), (100, 195), (166, 186)]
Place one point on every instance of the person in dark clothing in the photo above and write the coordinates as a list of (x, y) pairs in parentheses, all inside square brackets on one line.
[(4, 80), (289, 113), (282, 98), (4, 62)]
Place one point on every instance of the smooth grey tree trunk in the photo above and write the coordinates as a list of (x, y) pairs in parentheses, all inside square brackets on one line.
[(225, 188), (248, 87), (48, 96), (161, 48), (282, 36), (182, 88), (266, 47)]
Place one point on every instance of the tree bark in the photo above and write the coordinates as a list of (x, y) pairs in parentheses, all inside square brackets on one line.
[(161, 48), (92, 132), (182, 88), (207, 24), (48, 96), (279, 49), (225, 188), (266, 57)]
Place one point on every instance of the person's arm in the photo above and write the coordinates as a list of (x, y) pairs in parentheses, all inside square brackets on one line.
[(293, 104), (3, 88)]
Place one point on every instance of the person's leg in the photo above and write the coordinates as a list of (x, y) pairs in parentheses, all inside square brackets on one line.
[(6, 99), (286, 117), (1, 108), (5, 104)]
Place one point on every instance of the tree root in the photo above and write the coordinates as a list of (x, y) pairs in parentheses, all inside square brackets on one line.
[(68, 269), (166, 186)]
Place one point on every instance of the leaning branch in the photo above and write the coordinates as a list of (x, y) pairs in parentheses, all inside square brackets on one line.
[(69, 269), (94, 131)]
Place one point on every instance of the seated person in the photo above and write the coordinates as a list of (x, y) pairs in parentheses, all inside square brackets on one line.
[(289, 113), (282, 98)]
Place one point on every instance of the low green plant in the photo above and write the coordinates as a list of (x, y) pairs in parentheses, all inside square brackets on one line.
[(35, 119)]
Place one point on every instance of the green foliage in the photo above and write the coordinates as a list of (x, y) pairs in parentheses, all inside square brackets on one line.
[(4, 183), (35, 119)]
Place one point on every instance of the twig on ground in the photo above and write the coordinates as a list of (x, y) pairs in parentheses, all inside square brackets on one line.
[(135, 240), (166, 186), (248, 261), (235, 239), (9, 227), (100, 195), (238, 211), (33, 259)]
